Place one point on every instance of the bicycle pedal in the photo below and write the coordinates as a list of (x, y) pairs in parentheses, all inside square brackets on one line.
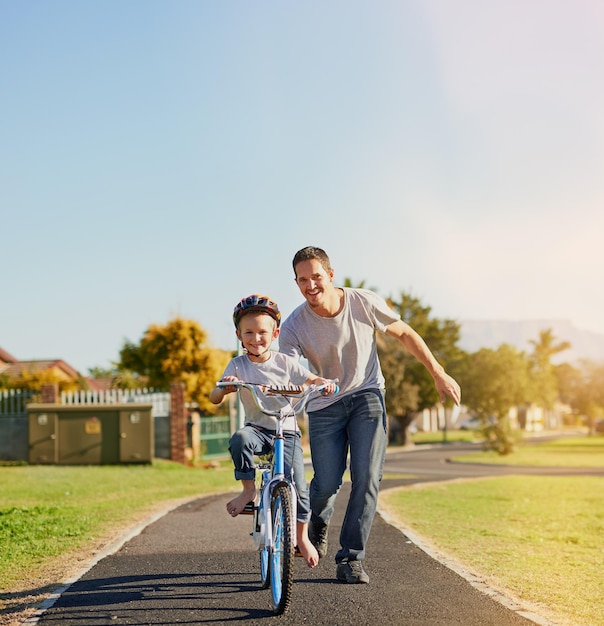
[(297, 552), (248, 509)]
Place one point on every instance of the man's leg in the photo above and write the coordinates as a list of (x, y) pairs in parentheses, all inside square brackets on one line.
[(367, 436), (329, 449)]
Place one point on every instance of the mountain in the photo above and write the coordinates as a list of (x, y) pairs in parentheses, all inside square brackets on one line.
[(585, 344)]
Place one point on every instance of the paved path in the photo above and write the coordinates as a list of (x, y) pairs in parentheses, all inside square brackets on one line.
[(196, 565)]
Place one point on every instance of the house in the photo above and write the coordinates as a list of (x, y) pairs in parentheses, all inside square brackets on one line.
[(12, 367)]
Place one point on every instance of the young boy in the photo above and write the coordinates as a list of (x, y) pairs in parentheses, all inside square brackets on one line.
[(257, 319)]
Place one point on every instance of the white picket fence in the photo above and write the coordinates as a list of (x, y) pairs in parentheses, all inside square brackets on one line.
[(159, 399)]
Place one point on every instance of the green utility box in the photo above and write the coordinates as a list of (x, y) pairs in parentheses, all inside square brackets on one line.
[(90, 434)]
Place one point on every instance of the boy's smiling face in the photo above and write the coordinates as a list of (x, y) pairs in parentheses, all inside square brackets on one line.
[(256, 332)]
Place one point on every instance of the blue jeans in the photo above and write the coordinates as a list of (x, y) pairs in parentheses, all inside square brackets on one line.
[(355, 423), (251, 440)]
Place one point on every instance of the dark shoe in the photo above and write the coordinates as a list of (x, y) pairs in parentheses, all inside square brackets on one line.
[(352, 572), (317, 533)]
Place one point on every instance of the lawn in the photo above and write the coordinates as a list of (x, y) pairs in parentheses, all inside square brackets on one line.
[(564, 452), (49, 512), (539, 537)]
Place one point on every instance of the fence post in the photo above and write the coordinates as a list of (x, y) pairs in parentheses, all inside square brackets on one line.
[(195, 436), (50, 393), (178, 422)]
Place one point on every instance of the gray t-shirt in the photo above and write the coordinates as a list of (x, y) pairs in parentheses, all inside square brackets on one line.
[(343, 346), (280, 369)]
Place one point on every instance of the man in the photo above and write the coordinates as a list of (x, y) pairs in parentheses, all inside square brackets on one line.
[(335, 330)]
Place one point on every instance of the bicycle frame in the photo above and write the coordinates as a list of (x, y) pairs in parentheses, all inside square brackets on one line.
[(276, 476)]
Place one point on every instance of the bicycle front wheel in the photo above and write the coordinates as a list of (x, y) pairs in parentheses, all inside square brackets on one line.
[(265, 574), (282, 554), (259, 532)]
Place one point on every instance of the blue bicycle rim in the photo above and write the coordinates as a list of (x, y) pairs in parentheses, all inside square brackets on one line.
[(264, 567), (277, 553)]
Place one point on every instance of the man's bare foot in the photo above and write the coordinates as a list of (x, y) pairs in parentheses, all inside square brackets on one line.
[(236, 505), (308, 551)]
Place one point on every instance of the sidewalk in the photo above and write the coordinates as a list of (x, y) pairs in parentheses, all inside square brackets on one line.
[(195, 565)]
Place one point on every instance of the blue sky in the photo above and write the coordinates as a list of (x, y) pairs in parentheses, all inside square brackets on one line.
[(162, 158)]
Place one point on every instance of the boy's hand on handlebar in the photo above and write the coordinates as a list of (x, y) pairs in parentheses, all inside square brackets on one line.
[(230, 388)]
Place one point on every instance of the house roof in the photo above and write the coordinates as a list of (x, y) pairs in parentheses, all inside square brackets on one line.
[(100, 384), (15, 368), (6, 357)]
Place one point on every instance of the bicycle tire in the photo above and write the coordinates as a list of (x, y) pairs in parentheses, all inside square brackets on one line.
[(283, 551), (258, 534), (265, 571)]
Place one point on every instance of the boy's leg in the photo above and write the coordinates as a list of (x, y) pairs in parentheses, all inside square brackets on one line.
[(235, 506), (294, 469), (293, 451), (307, 549), (243, 445)]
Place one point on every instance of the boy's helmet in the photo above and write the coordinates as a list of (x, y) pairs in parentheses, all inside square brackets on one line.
[(256, 303)]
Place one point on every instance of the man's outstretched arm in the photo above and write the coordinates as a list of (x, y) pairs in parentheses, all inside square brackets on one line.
[(445, 384)]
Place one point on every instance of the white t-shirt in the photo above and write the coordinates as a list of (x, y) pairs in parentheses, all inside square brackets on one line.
[(343, 346), (279, 369)]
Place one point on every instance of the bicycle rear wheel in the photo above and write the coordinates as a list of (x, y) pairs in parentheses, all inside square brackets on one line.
[(281, 558)]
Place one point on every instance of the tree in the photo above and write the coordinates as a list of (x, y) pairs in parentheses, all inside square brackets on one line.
[(569, 379), (177, 351), (120, 377), (494, 382), (360, 285), (35, 379), (583, 389), (544, 387), (410, 387), (402, 397)]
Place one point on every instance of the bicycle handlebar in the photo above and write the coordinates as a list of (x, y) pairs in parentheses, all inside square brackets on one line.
[(285, 392)]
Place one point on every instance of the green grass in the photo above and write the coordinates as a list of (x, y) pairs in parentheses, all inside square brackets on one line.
[(48, 512), (540, 537), (442, 437), (567, 452)]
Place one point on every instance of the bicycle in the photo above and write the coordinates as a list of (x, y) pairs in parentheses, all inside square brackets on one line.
[(274, 524)]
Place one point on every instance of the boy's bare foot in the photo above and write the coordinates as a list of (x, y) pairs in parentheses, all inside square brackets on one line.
[(236, 505), (308, 551)]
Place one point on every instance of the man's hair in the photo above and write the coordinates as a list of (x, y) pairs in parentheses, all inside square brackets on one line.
[(309, 253)]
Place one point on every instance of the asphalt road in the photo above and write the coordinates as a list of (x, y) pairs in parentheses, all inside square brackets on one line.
[(196, 565)]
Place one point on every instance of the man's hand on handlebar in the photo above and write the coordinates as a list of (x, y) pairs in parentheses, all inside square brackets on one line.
[(331, 387)]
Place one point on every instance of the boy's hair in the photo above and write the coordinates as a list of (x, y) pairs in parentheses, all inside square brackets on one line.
[(257, 313), (309, 253)]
